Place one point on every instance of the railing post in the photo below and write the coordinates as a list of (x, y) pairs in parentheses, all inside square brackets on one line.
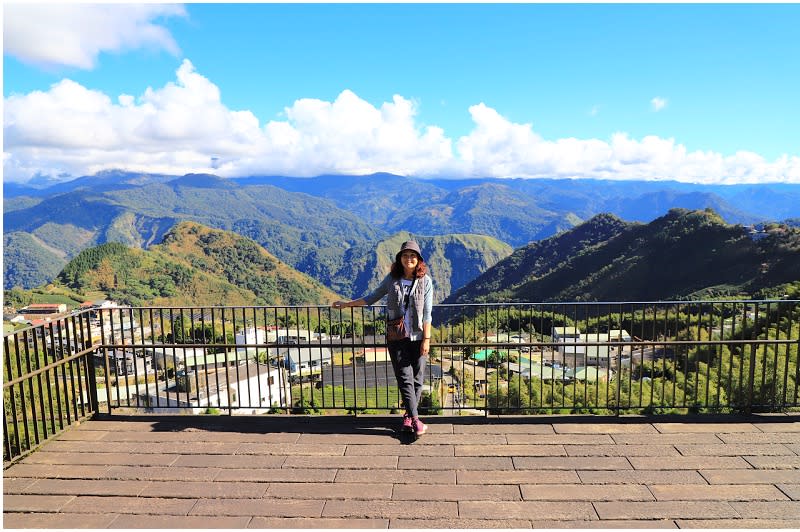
[(92, 391), (748, 407), (618, 394)]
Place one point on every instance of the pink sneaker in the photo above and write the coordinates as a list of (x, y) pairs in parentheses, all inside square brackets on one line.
[(419, 427), (408, 423)]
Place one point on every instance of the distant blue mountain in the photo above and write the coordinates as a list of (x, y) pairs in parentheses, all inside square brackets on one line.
[(310, 223)]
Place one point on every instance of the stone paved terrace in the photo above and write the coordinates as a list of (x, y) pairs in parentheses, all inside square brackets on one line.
[(345, 472)]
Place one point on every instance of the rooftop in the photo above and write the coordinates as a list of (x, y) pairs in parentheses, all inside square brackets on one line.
[(467, 472)]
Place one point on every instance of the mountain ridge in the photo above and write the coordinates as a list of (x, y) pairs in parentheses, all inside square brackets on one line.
[(314, 223), (681, 255)]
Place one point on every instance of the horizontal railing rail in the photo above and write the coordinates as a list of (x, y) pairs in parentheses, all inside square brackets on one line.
[(514, 358), (49, 382)]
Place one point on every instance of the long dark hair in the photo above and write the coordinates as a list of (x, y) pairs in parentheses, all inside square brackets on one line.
[(419, 271)]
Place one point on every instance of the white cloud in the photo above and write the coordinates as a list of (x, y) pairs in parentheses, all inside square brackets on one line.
[(658, 103), (73, 35), (184, 127)]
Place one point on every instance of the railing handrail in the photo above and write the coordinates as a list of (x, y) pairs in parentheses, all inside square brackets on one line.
[(54, 363)]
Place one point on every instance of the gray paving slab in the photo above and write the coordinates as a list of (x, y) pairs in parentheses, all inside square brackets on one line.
[(672, 438), (604, 428), (504, 428), (91, 504), (292, 449), (621, 450), (205, 490), (391, 509), (612, 463), (35, 503), (258, 507), (641, 477), (778, 427), (562, 510), (716, 428), (229, 461), (665, 510), (166, 522), (727, 492), (341, 462), (484, 463), (738, 523), (689, 462), (17, 485), (202, 447), (518, 477), (791, 490), (606, 524), (56, 471), (317, 523), (58, 486), (161, 473), (459, 523), (736, 449), (559, 439), (461, 439), (395, 476), (400, 450), (761, 437), (590, 492), (276, 475), (449, 492), (768, 509), (510, 450), (324, 490), (99, 458), (380, 437), (57, 520), (749, 476), (773, 462)]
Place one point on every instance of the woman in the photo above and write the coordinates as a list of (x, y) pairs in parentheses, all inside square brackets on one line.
[(410, 295)]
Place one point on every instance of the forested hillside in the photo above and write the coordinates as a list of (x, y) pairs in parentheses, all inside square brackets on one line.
[(453, 261), (683, 255), (195, 265)]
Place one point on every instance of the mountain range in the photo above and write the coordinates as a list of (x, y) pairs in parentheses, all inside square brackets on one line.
[(193, 266), (331, 227), (681, 255)]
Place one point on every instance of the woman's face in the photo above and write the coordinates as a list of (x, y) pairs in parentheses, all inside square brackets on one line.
[(409, 260)]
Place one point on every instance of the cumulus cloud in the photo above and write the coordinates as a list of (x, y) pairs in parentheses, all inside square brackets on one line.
[(185, 126), (73, 35), (658, 103)]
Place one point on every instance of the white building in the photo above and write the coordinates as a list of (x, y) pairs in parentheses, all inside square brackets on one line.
[(572, 355), (192, 358), (250, 336), (307, 360), (258, 389)]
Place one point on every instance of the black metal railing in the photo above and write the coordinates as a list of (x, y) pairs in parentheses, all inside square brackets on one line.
[(49, 382), (613, 358)]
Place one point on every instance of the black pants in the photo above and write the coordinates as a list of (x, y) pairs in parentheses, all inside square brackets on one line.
[(409, 369)]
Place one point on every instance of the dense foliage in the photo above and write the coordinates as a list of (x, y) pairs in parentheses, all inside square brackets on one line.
[(26, 262), (194, 266), (682, 255)]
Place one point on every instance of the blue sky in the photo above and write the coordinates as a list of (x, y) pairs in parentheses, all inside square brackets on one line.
[(704, 93)]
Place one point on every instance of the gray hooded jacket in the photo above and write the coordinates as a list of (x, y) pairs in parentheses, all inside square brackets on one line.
[(420, 310)]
